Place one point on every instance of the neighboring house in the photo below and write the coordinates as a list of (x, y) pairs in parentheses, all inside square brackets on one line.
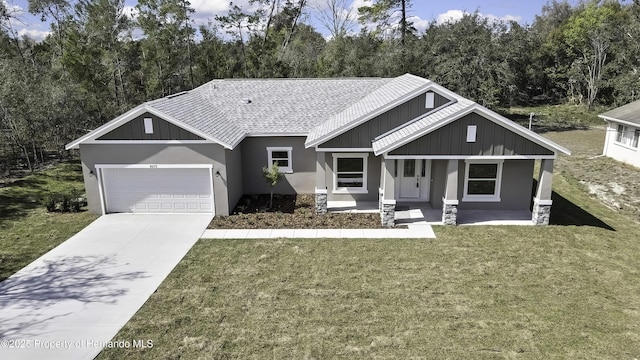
[(623, 133), (403, 139)]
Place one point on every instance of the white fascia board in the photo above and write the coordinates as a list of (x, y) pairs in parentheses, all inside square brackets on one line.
[(521, 130), (154, 166), (276, 134), (132, 114), (490, 115), (425, 131), (471, 157), (144, 142), (364, 118), (628, 123), (451, 102), (103, 129), (344, 149), (186, 127)]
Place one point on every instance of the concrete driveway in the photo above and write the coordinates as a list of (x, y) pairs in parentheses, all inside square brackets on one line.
[(72, 301)]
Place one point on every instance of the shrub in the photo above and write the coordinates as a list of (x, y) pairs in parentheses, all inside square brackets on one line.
[(67, 201), (50, 201)]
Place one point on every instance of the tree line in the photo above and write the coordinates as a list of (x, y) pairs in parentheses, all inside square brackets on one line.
[(98, 61)]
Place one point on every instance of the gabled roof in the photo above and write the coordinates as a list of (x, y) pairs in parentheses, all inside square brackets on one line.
[(225, 111), (433, 121), (391, 94), (629, 113), (132, 114)]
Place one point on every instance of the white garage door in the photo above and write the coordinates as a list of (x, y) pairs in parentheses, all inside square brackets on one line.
[(157, 190)]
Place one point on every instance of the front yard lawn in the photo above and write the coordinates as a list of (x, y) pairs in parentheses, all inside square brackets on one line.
[(27, 230), (474, 292)]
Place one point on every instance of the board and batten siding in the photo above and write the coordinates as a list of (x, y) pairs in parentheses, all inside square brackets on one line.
[(362, 135), (491, 139), (162, 130)]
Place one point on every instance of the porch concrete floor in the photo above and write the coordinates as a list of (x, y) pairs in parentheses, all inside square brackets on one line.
[(417, 214)]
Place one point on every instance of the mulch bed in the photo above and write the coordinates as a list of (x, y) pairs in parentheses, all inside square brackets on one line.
[(289, 212)]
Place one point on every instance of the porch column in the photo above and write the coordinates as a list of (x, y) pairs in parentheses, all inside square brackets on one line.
[(450, 199), (321, 183), (388, 200), (542, 202)]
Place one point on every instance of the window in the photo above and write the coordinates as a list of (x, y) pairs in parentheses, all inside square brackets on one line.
[(148, 125), (620, 134), (628, 136), (482, 181), (409, 168), (430, 100), (282, 157), (350, 173), (471, 133)]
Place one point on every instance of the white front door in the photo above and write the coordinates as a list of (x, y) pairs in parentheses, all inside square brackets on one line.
[(413, 177)]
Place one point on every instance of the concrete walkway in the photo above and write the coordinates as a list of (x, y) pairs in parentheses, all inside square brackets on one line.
[(72, 301), (413, 232)]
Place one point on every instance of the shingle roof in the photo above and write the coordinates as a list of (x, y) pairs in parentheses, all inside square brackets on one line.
[(394, 90), (225, 111), (228, 110), (629, 113), (381, 144)]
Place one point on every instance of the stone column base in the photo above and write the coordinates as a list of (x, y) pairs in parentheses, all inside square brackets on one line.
[(388, 213), (321, 201), (541, 212), (450, 212)]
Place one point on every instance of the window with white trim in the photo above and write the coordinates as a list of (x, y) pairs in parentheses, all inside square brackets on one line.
[(350, 173), (430, 100), (482, 181), (282, 157), (148, 125), (628, 136)]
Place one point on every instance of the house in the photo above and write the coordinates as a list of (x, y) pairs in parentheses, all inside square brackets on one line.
[(623, 132), (385, 140)]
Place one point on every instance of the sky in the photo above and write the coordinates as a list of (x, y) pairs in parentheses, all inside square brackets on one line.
[(421, 13)]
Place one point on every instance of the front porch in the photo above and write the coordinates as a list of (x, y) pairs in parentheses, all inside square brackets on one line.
[(451, 190), (414, 214)]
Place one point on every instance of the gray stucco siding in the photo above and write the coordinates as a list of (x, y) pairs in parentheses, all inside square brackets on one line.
[(491, 139), (162, 130), (362, 135), (254, 157), (438, 183), (103, 154), (373, 180), (515, 191), (234, 181)]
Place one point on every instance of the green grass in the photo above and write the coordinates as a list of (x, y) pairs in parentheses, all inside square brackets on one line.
[(613, 183), (555, 117), (473, 292), (27, 230)]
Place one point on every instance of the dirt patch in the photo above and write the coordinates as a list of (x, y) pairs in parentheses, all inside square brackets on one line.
[(610, 181), (289, 212)]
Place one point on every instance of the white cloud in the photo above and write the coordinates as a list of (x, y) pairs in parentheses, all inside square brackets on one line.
[(131, 12), (212, 7), (37, 35), (420, 24), (504, 18), (452, 16)]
